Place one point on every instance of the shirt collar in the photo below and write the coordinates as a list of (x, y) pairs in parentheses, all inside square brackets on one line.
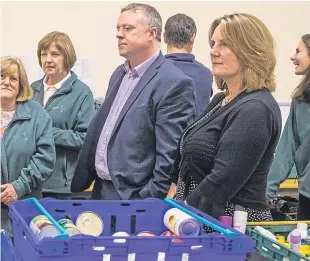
[(57, 85), (186, 57), (140, 69)]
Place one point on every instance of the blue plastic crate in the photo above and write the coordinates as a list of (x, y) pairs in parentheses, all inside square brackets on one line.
[(7, 249), (129, 216)]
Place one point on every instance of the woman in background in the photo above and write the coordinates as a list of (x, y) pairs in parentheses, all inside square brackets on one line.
[(224, 157), (70, 104), (27, 144), (294, 145)]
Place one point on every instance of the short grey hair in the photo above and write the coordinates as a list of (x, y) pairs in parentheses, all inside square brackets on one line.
[(179, 30), (152, 16)]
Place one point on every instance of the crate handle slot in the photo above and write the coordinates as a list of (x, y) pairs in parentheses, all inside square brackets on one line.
[(196, 247), (133, 221), (98, 248), (63, 233), (276, 246), (265, 249), (125, 204), (140, 210), (60, 210), (113, 224), (120, 240), (226, 232), (77, 204)]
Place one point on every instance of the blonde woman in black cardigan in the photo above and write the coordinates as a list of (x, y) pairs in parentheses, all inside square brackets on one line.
[(223, 158)]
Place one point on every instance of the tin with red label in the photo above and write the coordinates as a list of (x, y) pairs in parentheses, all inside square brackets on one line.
[(146, 234), (168, 234), (171, 234)]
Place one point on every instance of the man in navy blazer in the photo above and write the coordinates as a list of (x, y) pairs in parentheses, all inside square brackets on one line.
[(179, 35), (131, 141)]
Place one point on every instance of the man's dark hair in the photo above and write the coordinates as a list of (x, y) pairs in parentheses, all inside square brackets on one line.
[(151, 15), (180, 29)]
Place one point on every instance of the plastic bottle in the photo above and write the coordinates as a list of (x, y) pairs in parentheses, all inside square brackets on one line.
[(227, 220), (295, 240), (302, 227), (265, 232), (240, 219)]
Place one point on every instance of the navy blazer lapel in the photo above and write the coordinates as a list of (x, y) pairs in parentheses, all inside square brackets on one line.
[(146, 78)]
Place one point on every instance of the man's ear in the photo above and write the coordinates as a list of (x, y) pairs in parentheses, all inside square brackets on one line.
[(153, 33)]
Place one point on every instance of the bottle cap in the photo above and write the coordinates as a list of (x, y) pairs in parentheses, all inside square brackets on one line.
[(227, 220), (190, 229), (302, 226), (238, 208), (295, 237), (240, 216)]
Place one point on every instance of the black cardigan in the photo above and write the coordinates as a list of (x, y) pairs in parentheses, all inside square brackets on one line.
[(229, 154)]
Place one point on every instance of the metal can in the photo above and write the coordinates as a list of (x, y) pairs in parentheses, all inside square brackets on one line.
[(69, 226), (181, 223), (171, 234), (120, 234), (146, 234), (42, 227), (90, 223), (167, 234)]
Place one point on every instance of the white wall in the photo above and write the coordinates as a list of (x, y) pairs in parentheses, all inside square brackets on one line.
[(92, 26)]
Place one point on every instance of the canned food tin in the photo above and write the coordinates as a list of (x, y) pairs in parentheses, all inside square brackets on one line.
[(90, 223), (42, 227), (120, 234), (48, 231), (171, 234), (181, 223), (168, 234), (145, 234), (69, 226)]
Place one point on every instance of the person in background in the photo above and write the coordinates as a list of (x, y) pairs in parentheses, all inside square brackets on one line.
[(224, 156), (131, 141), (294, 145), (179, 35), (70, 104), (27, 144)]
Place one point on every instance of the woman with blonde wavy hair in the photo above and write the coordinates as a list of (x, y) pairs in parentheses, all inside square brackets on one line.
[(294, 145), (223, 158), (27, 144)]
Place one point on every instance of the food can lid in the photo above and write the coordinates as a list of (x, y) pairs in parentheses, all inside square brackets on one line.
[(90, 223)]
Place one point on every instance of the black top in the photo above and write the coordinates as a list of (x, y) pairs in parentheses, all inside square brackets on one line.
[(200, 74), (229, 153)]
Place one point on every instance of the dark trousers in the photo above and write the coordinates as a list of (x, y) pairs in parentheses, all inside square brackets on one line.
[(61, 196), (104, 190), (303, 212)]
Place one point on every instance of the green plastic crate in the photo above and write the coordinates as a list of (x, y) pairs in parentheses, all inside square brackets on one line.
[(272, 249)]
